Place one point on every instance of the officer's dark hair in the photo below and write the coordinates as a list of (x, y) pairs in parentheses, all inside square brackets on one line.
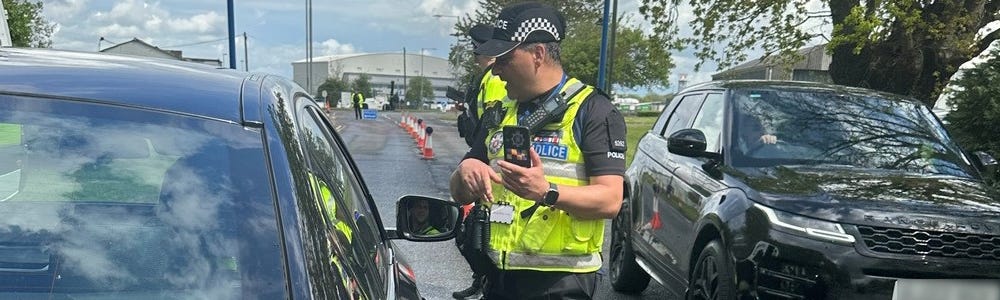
[(551, 48)]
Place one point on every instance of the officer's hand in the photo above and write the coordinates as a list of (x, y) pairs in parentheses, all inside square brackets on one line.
[(476, 177), (528, 183)]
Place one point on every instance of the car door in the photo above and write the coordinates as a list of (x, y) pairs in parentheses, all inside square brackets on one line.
[(656, 226), (692, 188), (349, 220)]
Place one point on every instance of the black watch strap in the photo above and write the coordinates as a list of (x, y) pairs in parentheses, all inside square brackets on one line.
[(552, 195)]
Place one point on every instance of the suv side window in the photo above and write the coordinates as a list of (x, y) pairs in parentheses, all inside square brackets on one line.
[(349, 219), (709, 120), (684, 113)]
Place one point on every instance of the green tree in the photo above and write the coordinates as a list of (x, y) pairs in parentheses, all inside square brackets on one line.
[(363, 84), (904, 47), (333, 87), (27, 27), (640, 59), (975, 107), (418, 90)]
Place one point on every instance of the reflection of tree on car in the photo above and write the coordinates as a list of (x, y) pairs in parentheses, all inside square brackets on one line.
[(860, 130)]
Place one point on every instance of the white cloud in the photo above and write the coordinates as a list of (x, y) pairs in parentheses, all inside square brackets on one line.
[(118, 30), (332, 46), (64, 7), (202, 23)]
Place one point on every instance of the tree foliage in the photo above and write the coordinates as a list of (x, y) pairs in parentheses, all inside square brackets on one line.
[(27, 27), (363, 84), (904, 47), (333, 87), (418, 90), (640, 59), (975, 107)]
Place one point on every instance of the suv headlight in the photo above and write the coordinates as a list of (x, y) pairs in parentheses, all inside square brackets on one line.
[(811, 227)]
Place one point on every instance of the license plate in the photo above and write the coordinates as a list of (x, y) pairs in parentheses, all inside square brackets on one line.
[(946, 289)]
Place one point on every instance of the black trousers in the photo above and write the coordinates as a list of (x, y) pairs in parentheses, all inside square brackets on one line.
[(357, 112), (540, 285)]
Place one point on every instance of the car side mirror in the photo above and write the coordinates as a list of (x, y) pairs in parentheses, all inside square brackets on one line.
[(426, 219), (987, 161), (687, 142)]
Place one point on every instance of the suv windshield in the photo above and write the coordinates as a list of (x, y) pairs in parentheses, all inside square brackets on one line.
[(98, 201), (826, 127)]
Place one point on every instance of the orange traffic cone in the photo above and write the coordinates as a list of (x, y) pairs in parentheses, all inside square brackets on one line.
[(421, 136), (402, 121), (412, 128), (428, 148)]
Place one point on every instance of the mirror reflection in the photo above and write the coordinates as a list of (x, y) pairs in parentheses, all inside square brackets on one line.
[(426, 217)]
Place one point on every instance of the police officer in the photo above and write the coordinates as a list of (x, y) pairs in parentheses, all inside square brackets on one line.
[(485, 91), (358, 100), (547, 220), (485, 94)]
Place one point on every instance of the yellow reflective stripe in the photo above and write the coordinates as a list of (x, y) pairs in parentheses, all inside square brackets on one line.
[(542, 262)]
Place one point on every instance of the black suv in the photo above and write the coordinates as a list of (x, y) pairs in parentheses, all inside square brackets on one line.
[(791, 190)]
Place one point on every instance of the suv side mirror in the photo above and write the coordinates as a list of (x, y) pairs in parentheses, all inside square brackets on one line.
[(987, 161), (687, 142), (426, 219)]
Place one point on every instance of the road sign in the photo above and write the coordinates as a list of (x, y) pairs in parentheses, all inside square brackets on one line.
[(369, 114)]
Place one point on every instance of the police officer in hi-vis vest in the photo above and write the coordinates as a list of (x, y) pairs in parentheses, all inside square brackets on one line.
[(485, 91), (358, 100), (546, 221)]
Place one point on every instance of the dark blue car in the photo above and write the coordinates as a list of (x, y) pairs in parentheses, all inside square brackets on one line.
[(134, 178)]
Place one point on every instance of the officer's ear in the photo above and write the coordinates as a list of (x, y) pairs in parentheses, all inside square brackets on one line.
[(538, 53)]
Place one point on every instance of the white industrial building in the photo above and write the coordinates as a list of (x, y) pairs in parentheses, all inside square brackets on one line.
[(382, 68)]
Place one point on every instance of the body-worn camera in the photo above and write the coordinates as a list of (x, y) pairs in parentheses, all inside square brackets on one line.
[(479, 228)]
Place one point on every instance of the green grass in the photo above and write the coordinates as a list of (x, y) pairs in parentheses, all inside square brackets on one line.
[(636, 127)]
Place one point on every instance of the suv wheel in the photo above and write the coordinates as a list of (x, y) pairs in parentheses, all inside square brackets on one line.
[(712, 277), (626, 275)]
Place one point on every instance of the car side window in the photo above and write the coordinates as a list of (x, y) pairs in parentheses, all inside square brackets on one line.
[(709, 120), (684, 113), (349, 218), (665, 114)]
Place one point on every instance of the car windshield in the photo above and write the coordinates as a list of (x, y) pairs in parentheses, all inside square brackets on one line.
[(103, 202), (812, 127)]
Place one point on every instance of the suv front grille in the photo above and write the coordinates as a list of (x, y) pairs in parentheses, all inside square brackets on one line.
[(930, 243)]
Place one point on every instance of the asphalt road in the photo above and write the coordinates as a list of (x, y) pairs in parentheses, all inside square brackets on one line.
[(392, 167)]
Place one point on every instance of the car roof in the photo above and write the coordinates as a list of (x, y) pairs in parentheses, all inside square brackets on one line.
[(161, 84), (799, 85)]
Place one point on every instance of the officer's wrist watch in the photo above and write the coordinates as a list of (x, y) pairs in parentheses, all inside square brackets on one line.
[(551, 196)]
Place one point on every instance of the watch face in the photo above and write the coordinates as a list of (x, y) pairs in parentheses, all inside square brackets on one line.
[(552, 195)]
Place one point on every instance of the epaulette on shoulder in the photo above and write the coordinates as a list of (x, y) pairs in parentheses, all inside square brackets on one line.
[(601, 92)]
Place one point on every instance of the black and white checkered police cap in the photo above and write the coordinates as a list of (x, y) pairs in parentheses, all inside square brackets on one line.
[(529, 22)]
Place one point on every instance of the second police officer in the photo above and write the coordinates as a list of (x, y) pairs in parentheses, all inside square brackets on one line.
[(485, 94), (546, 221)]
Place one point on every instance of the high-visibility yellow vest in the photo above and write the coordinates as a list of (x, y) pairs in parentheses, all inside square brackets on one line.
[(331, 207), (549, 239), (491, 90), (359, 98)]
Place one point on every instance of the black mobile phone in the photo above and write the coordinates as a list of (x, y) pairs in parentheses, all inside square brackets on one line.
[(516, 145)]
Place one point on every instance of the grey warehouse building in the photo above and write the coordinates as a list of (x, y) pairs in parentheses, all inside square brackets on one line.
[(382, 68), (814, 66)]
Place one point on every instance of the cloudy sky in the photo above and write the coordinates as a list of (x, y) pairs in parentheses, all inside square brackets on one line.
[(276, 29)]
